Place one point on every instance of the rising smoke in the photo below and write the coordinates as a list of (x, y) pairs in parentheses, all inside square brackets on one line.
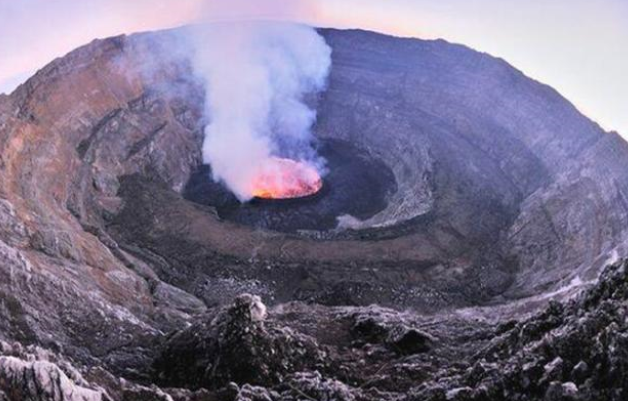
[(256, 76)]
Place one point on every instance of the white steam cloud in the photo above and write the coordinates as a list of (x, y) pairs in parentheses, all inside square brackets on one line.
[(257, 75)]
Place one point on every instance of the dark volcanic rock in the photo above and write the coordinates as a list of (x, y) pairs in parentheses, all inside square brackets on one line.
[(547, 356), (470, 360), (392, 331), (356, 184), (235, 346)]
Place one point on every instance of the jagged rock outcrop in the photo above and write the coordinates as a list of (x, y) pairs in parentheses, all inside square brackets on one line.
[(37, 375), (389, 329), (572, 351), (235, 346)]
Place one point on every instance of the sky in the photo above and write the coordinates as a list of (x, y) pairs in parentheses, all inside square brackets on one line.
[(580, 47)]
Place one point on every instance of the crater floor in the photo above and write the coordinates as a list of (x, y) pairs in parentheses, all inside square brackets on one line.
[(355, 184)]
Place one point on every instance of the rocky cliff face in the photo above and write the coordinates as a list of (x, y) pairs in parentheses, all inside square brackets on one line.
[(114, 280)]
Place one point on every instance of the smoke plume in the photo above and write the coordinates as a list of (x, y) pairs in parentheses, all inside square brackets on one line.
[(257, 75)]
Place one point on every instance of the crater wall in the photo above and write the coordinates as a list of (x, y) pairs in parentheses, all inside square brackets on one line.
[(502, 190)]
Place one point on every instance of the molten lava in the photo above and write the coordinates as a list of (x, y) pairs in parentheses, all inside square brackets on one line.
[(286, 179)]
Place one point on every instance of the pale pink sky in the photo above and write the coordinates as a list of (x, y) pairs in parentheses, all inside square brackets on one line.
[(577, 46)]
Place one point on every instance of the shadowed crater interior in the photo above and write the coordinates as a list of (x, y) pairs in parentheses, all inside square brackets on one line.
[(356, 184)]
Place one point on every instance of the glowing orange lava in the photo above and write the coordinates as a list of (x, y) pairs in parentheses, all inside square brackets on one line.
[(285, 179)]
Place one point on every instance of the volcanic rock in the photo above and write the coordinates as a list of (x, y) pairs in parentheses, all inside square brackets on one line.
[(37, 375), (235, 346), (387, 328)]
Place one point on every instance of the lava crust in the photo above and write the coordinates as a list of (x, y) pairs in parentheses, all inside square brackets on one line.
[(356, 184)]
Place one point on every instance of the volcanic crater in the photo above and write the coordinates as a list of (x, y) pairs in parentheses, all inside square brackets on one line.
[(355, 184), (438, 193), (457, 189)]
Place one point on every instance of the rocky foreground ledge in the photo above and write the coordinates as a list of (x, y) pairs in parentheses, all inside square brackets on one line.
[(576, 350)]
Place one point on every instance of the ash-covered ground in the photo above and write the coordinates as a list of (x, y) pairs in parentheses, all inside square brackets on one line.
[(468, 242)]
